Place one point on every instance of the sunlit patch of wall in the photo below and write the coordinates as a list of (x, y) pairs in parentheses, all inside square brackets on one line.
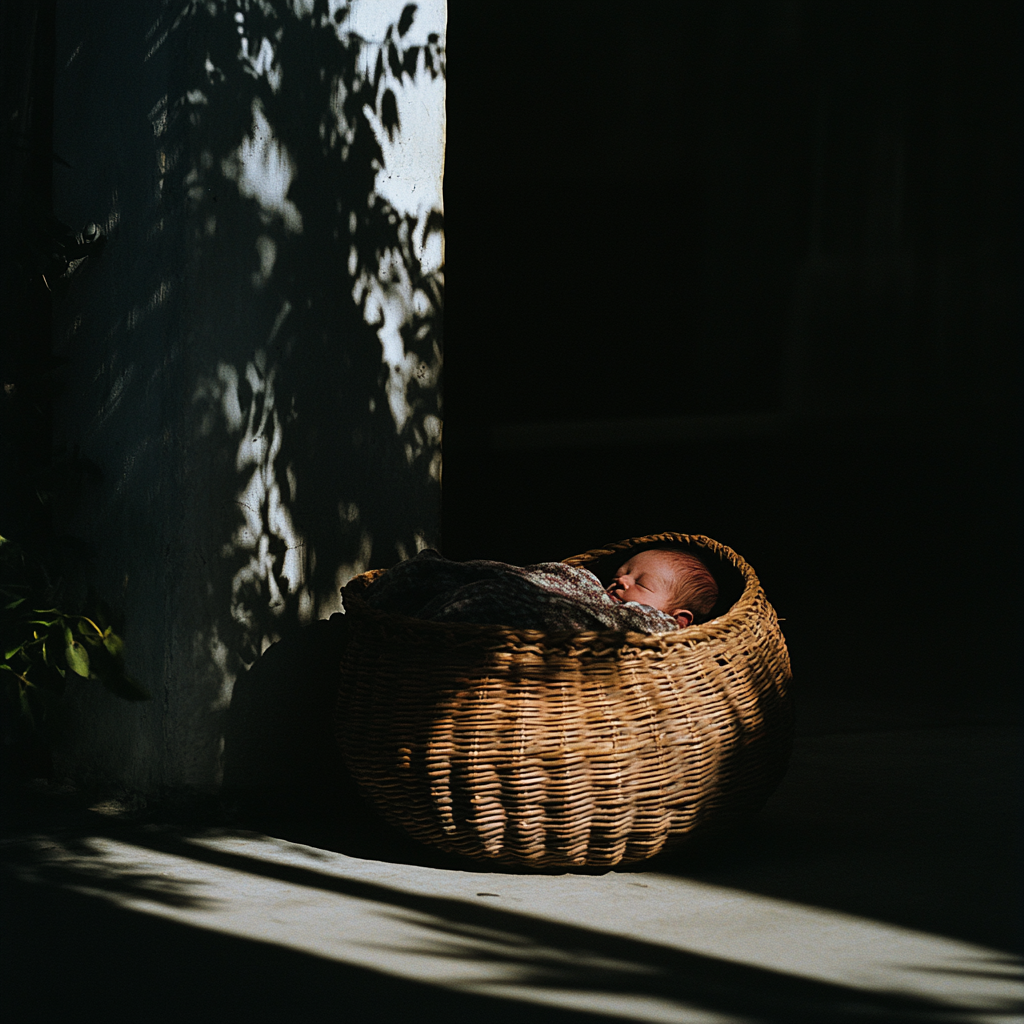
[(408, 180), (263, 579), (263, 170)]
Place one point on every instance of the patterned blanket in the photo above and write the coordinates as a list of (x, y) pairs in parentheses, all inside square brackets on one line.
[(549, 596)]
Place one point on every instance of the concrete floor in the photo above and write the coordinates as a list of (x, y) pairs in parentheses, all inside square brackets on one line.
[(881, 882)]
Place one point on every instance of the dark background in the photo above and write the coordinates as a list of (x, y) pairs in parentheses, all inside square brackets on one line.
[(751, 270)]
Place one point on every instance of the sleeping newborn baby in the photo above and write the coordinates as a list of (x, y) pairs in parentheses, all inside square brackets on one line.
[(653, 591)]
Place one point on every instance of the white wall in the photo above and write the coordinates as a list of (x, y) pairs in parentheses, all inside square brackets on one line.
[(254, 359)]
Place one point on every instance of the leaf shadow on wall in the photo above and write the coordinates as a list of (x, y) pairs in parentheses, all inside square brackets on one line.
[(318, 354)]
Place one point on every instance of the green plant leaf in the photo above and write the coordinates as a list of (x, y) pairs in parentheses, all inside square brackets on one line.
[(13, 651), (78, 659), (14, 604), (76, 654), (114, 645)]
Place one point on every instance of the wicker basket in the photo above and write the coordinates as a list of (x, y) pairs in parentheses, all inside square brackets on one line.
[(568, 750)]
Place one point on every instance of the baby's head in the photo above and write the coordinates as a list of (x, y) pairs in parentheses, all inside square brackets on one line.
[(674, 582)]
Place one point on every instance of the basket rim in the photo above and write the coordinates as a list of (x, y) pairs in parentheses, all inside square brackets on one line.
[(596, 641)]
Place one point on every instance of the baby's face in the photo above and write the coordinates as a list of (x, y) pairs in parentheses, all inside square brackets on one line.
[(647, 578)]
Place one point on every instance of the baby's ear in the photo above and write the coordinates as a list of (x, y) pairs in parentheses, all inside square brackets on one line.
[(683, 616)]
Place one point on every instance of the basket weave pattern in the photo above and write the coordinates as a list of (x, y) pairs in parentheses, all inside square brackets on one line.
[(566, 750)]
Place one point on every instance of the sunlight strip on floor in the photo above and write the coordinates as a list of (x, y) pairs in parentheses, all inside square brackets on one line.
[(645, 946)]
